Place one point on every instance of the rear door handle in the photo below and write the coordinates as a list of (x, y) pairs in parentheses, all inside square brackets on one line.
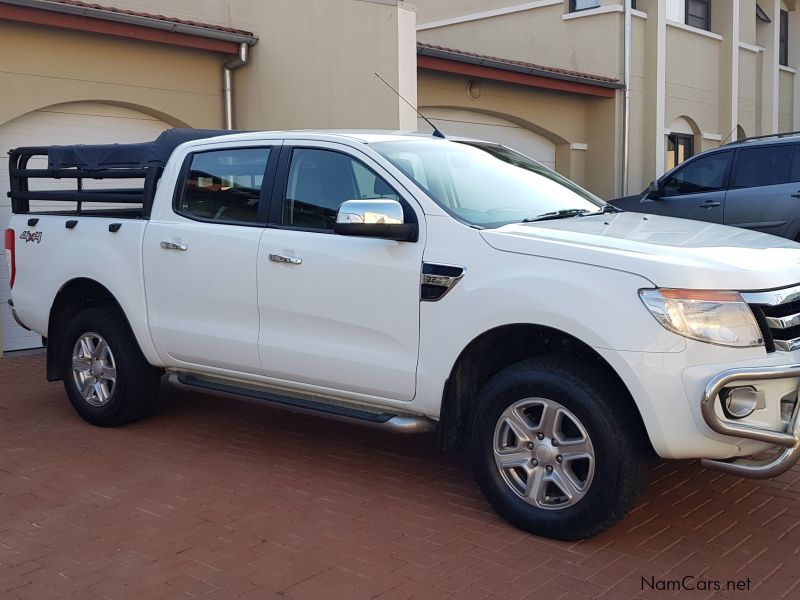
[(174, 246), (709, 204), (289, 260), (796, 194)]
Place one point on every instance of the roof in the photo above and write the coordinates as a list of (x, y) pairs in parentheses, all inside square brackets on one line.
[(789, 137), (109, 20), (517, 66), (122, 11), (157, 152)]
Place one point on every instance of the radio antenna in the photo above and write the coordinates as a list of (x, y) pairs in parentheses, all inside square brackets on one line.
[(436, 132), (727, 137)]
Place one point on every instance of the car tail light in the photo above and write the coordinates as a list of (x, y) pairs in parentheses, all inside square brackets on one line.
[(10, 256)]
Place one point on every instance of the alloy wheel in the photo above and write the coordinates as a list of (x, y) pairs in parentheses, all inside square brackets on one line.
[(94, 369), (544, 453)]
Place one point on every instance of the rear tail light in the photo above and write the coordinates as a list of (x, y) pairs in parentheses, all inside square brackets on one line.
[(11, 259)]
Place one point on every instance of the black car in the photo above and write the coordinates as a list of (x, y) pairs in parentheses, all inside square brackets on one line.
[(752, 183)]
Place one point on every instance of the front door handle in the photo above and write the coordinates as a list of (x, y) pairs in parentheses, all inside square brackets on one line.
[(796, 194), (709, 204), (174, 246), (289, 260)]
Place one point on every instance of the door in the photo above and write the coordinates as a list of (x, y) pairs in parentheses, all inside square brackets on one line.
[(764, 192), (200, 254), (337, 312), (696, 190), (71, 123)]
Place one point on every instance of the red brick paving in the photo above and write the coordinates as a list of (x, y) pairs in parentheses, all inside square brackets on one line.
[(229, 499)]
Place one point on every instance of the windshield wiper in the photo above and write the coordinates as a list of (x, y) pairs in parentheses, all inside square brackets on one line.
[(571, 212), (558, 214)]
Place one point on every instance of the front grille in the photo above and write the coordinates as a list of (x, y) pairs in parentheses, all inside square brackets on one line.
[(761, 319), (777, 313)]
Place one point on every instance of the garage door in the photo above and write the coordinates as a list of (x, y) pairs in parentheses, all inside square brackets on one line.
[(74, 123), (467, 123)]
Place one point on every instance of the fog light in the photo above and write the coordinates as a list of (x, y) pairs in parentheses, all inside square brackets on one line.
[(740, 402)]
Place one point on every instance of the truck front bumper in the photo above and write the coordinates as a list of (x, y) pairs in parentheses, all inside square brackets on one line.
[(786, 442)]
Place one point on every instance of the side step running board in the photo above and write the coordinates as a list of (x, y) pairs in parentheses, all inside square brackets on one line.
[(381, 420)]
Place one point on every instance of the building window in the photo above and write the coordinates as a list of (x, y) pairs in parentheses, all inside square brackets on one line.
[(576, 5), (680, 146), (783, 48), (698, 14)]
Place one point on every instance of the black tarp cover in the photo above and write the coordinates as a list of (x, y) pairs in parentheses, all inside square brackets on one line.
[(132, 156)]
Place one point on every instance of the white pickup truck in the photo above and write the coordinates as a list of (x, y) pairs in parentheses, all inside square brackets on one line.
[(410, 282)]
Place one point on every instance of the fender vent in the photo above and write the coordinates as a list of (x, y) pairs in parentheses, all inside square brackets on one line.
[(438, 279)]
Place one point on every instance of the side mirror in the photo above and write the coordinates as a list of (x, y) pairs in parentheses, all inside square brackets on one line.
[(653, 192), (378, 218)]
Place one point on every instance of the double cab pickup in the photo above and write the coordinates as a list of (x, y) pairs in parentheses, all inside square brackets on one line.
[(409, 283)]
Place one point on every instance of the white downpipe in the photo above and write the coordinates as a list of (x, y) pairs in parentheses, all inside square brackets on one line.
[(227, 83), (626, 105)]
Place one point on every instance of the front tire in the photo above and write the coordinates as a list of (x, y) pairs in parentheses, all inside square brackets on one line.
[(555, 450), (107, 378)]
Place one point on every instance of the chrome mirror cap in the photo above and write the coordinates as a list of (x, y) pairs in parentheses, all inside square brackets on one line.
[(370, 212), (378, 218)]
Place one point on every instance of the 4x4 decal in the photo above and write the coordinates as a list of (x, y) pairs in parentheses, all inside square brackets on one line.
[(30, 236)]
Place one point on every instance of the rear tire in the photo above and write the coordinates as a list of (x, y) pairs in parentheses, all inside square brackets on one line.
[(555, 450), (107, 378)]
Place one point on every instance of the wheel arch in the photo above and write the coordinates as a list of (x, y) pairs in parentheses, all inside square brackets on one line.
[(74, 296), (500, 347)]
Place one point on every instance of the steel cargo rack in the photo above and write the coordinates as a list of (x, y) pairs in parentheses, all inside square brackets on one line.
[(143, 161)]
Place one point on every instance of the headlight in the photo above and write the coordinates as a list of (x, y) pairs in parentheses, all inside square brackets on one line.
[(717, 317)]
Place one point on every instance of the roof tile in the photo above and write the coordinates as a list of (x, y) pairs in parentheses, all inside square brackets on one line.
[(512, 65), (123, 11)]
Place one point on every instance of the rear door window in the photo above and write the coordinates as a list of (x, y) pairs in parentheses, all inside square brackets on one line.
[(224, 185), (794, 174), (704, 174), (762, 166)]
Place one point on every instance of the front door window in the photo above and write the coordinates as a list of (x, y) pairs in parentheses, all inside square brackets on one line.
[(320, 180), (705, 174)]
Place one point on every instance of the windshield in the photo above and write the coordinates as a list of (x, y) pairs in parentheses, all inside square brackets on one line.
[(486, 184)]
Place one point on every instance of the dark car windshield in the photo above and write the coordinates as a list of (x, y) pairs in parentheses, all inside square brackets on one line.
[(486, 184)]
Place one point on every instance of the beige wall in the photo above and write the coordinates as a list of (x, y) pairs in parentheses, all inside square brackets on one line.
[(692, 92), (747, 24), (314, 63), (582, 44), (749, 90), (717, 81), (435, 10), (42, 66), (564, 119), (521, 105), (786, 101)]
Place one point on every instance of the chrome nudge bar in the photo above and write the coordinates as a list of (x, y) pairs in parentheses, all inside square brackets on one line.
[(788, 441)]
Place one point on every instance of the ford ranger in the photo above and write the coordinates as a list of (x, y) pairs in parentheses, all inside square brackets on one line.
[(410, 282)]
